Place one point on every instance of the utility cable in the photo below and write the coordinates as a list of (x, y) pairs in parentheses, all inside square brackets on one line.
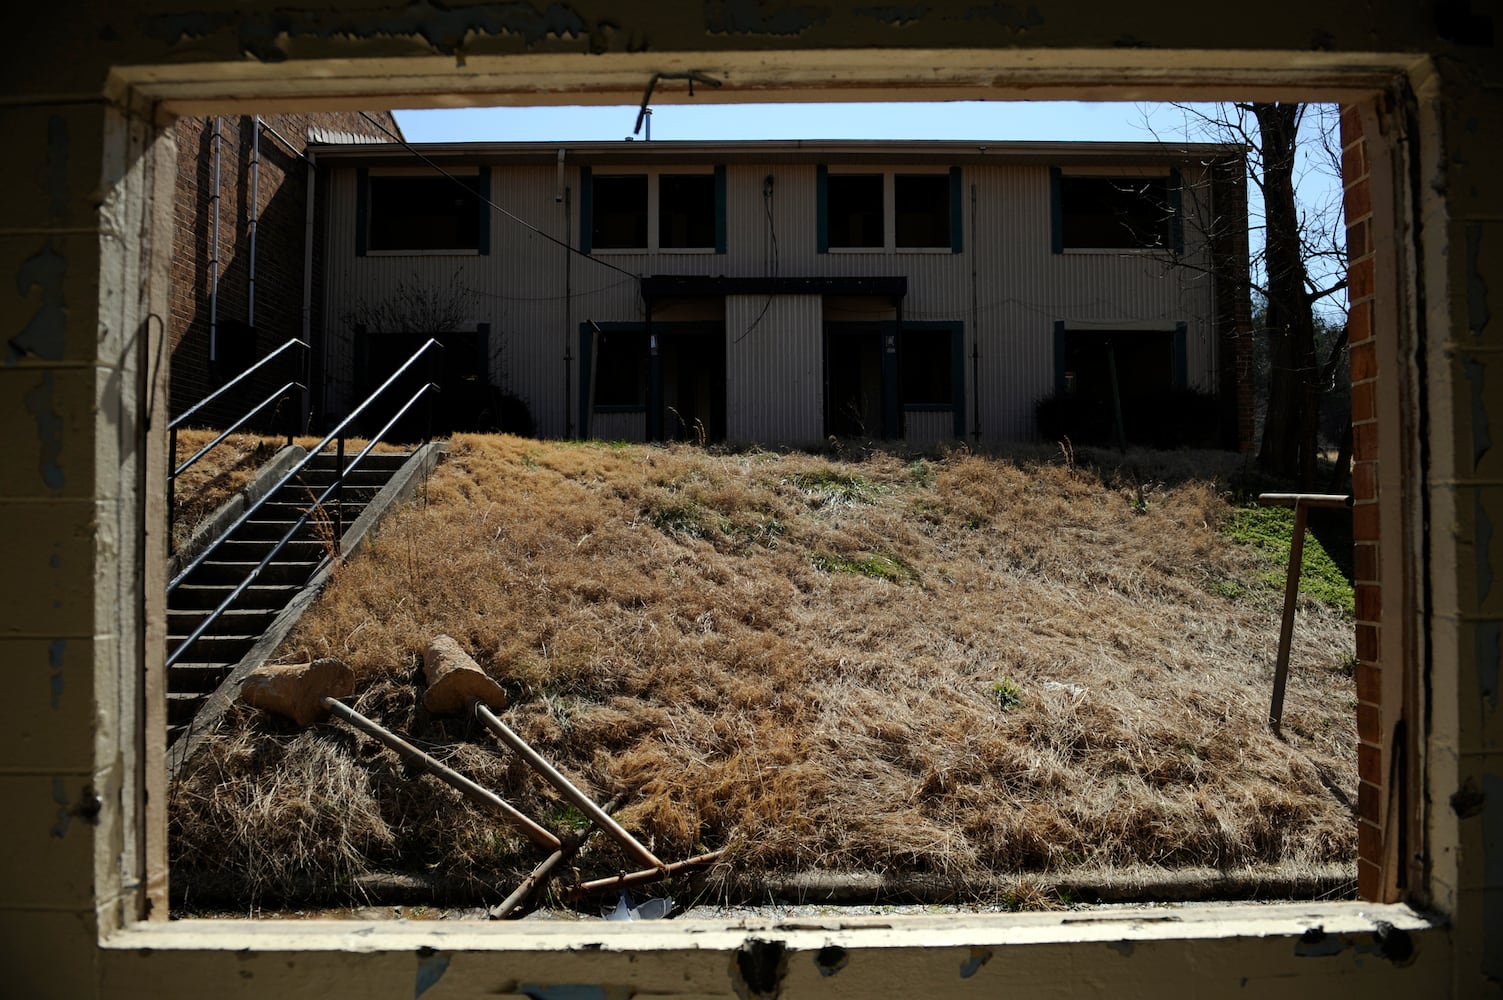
[(517, 219), (772, 231)]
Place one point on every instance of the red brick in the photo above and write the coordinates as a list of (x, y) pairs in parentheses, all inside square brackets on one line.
[(1359, 278), (1365, 522), (1363, 405), (1369, 729), (1369, 880), (1358, 201), (1365, 562), (1365, 440), (1369, 762), (1357, 246), (1364, 479), (1369, 842), (1367, 643), (1359, 321), (1369, 602), (1364, 361), (1369, 683), (1351, 125)]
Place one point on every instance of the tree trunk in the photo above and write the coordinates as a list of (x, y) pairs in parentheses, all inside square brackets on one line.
[(1290, 430)]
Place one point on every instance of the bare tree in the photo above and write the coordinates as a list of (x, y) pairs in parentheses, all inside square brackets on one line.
[(1298, 263)]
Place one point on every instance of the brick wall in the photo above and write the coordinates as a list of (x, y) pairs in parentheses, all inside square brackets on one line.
[(280, 232), (1361, 265)]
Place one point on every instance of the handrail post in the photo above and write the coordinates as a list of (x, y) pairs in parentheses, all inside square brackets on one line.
[(338, 492), (171, 484)]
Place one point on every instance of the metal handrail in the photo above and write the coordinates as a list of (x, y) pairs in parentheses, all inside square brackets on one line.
[(172, 475), (266, 560), (182, 418)]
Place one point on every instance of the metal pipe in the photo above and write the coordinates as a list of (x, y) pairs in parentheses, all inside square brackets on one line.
[(483, 796), (639, 878), (218, 140), (255, 215), (565, 787)]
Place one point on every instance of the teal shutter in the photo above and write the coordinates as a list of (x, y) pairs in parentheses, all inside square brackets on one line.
[(957, 214), (586, 204), (1056, 213), (720, 208), (362, 211), (822, 207)]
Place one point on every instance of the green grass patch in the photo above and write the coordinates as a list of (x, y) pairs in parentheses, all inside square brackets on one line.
[(832, 486), (1270, 530), (877, 567)]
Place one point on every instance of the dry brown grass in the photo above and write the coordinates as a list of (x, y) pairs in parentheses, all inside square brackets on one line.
[(953, 665)]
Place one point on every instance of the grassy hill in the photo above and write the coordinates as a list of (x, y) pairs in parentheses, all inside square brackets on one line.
[(955, 666)]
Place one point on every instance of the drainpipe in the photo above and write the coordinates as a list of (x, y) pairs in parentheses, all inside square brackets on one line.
[(312, 351), (214, 254), (562, 194), (255, 216)]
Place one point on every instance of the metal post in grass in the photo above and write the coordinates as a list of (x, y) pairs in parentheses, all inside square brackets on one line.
[(1301, 502)]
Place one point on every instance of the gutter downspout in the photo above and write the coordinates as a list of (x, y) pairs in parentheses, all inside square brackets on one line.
[(214, 253), (313, 351)]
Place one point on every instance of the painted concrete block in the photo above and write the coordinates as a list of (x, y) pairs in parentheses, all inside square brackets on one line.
[(48, 829), (47, 420), (67, 939), (47, 714), (66, 144), (51, 550), (49, 296)]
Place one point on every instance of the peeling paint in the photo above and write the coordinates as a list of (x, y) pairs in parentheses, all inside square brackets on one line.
[(1489, 655), (1316, 943), (55, 662), (972, 965), (445, 30), (1477, 313), (761, 17), (45, 333), (430, 970), (1019, 19), (1484, 548), (1492, 828), (831, 959), (895, 16), (1482, 437), (64, 812), (576, 991), (40, 404), (758, 969)]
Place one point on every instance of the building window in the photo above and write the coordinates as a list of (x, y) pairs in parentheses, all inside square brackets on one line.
[(1114, 213), (927, 368), (651, 211), (853, 208), (621, 370), (406, 213), (619, 219), (889, 211), (921, 210), (686, 211)]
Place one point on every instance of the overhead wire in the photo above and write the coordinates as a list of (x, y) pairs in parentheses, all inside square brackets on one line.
[(772, 231)]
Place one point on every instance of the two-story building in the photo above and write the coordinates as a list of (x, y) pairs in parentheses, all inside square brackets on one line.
[(785, 292)]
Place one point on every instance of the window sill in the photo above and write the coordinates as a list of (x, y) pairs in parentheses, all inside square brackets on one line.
[(1341, 927), (423, 253)]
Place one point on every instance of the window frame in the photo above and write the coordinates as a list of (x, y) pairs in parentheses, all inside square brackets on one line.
[(889, 175), (1174, 190), (365, 210), (589, 174)]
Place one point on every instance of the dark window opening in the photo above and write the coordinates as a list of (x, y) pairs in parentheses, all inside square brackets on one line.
[(466, 400), (1125, 213), (854, 210), (694, 387), (686, 211), (927, 368), (854, 397), (425, 213), (921, 210), (621, 370), (619, 207)]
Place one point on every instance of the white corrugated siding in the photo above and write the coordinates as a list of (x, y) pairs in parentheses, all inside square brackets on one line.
[(1007, 288), (925, 427), (618, 426), (774, 368)]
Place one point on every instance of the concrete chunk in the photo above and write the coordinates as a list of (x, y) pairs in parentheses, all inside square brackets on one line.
[(296, 690), (455, 680)]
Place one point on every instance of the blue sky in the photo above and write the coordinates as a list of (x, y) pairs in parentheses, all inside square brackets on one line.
[(993, 120)]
